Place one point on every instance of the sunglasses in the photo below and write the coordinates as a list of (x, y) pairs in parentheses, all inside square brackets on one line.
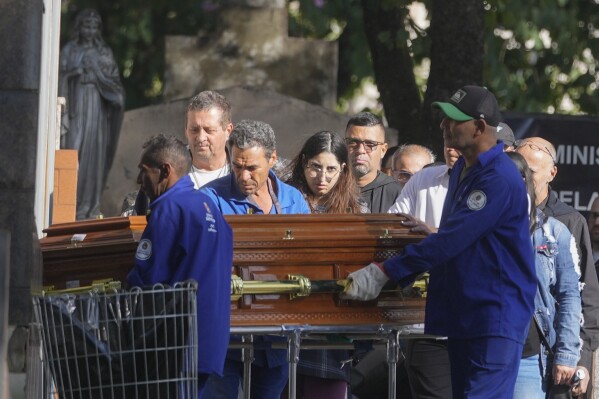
[(369, 145), (402, 175)]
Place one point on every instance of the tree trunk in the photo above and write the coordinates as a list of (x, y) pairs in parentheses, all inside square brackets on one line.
[(393, 67), (457, 55)]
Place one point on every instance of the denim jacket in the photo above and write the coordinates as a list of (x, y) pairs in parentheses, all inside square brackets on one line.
[(557, 302)]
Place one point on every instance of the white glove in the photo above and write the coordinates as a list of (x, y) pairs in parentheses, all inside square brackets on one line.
[(366, 283)]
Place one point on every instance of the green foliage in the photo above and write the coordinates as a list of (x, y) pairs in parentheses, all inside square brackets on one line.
[(135, 31), (336, 20), (541, 55)]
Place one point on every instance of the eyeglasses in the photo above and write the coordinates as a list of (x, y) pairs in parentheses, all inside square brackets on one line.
[(315, 170), (535, 147), (402, 176), (369, 145)]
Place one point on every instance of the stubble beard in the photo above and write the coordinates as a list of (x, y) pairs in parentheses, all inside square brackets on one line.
[(361, 170), (202, 159)]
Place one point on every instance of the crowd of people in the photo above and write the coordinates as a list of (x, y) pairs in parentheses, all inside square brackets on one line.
[(513, 295)]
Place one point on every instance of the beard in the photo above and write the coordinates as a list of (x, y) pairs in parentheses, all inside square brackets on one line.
[(361, 170)]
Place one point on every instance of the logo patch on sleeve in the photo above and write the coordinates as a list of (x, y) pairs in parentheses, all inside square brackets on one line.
[(144, 249), (476, 200)]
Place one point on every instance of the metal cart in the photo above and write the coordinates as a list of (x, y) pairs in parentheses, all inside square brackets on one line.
[(105, 342)]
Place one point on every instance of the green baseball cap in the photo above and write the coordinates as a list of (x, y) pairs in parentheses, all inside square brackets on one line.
[(471, 102)]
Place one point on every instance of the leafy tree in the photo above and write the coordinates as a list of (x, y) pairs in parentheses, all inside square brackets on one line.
[(538, 55), (339, 20), (543, 55), (396, 44)]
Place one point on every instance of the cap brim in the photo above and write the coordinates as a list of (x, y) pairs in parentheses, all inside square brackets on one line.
[(452, 112)]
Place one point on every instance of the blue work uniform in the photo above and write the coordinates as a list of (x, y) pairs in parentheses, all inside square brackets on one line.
[(269, 368), (187, 238), (482, 272)]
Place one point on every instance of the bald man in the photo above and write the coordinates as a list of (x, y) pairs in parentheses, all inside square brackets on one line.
[(409, 159), (540, 155)]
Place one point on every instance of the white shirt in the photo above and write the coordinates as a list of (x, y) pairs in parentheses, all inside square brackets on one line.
[(202, 177), (424, 194)]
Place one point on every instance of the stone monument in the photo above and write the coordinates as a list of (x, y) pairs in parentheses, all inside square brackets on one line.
[(252, 48), (89, 80)]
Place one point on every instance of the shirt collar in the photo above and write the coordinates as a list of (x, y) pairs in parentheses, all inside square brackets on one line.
[(273, 188)]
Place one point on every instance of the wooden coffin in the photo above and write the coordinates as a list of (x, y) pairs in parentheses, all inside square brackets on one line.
[(266, 247), (78, 253)]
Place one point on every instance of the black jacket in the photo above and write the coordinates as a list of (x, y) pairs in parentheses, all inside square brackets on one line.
[(381, 193), (577, 224)]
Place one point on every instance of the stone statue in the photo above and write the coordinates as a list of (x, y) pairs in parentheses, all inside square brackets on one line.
[(89, 80)]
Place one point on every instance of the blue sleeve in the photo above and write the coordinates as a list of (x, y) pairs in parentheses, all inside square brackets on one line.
[(567, 295), (459, 231), (304, 205)]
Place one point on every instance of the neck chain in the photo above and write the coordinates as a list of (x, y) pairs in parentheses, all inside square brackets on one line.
[(222, 172)]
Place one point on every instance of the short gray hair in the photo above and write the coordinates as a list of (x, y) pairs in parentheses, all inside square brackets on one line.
[(249, 133), (412, 148)]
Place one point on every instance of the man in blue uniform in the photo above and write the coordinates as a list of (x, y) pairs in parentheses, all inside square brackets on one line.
[(253, 188), (186, 238), (482, 274)]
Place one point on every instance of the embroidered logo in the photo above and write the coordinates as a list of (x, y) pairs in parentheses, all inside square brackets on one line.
[(210, 219), (476, 200), (144, 249), (458, 96)]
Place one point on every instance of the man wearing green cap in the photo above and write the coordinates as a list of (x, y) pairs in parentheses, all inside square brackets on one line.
[(482, 274)]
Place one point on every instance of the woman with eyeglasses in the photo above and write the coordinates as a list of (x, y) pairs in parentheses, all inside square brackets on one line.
[(552, 348), (321, 172)]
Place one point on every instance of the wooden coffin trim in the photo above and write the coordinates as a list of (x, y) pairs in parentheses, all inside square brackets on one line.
[(319, 247)]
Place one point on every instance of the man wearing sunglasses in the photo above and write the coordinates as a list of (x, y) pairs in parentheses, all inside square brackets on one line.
[(540, 155), (365, 140), (409, 159)]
